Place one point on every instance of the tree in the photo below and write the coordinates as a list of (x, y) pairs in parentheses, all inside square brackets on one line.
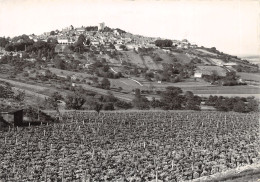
[(9, 47), (81, 39), (105, 83), (60, 64), (137, 93), (79, 45), (75, 100), (192, 102), (109, 97), (155, 103), (98, 106), (20, 96), (171, 98), (163, 43), (88, 41), (221, 105), (52, 32), (6, 91), (54, 100), (123, 105), (239, 106), (140, 102), (105, 68), (253, 105), (108, 106), (52, 40), (3, 41)]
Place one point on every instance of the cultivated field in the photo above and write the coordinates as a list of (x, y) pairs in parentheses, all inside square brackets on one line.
[(249, 76), (151, 64), (182, 58), (243, 89), (130, 146), (131, 56), (166, 58), (211, 69)]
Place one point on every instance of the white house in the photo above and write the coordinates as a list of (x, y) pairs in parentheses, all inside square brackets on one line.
[(80, 30), (131, 46), (197, 75), (63, 40), (166, 50)]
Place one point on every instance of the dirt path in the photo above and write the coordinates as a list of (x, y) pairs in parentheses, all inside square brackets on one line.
[(240, 174)]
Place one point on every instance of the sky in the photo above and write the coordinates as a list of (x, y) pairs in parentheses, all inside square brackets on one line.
[(232, 26)]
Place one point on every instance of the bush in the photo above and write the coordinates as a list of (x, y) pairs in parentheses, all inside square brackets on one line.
[(108, 106), (240, 106)]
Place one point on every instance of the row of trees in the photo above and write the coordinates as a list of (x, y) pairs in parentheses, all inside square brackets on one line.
[(79, 46), (3, 41), (82, 99), (163, 43), (175, 72), (230, 79), (236, 104), (37, 49), (171, 99)]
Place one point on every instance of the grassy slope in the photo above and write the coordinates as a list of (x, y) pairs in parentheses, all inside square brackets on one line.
[(151, 64), (182, 58), (249, 76), (131, 56), (165, 56)]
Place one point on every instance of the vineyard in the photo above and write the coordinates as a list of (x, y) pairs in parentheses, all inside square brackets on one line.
[(130, 146)]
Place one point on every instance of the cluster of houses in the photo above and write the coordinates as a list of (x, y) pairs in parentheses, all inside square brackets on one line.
[(184, 44), (98, 37), (13, 53), (69, 35)]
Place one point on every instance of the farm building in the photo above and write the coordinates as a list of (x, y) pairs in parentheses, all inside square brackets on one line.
[(12, 117), (197, 75)]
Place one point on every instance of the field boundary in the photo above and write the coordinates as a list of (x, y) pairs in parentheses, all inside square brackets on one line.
[(231, 174)]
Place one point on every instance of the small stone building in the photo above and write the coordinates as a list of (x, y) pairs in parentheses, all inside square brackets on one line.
[(12, 117)]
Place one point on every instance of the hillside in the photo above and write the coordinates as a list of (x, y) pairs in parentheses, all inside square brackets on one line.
[(82, 57)]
